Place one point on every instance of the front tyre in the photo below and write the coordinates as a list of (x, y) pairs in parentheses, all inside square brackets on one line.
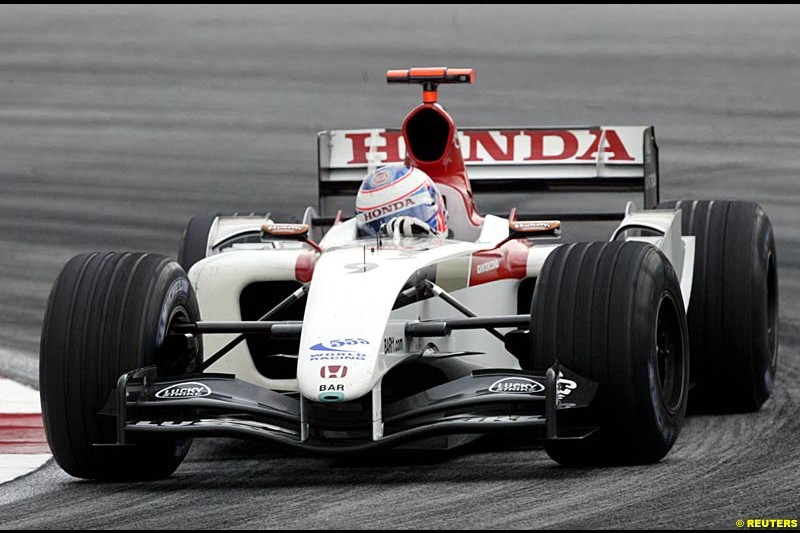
[(613, 313), (110, 313)]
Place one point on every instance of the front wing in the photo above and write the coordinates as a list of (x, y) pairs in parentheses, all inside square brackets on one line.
[(487, 401)]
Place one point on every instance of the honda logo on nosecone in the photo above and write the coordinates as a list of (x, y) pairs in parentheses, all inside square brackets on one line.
[(333, 371)]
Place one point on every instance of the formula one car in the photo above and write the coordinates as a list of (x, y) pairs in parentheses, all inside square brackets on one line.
[(519, 322)]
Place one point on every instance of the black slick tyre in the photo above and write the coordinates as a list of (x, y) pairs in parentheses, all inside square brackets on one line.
[(733, 310), (194, 241), (109, 313), (613, 313)]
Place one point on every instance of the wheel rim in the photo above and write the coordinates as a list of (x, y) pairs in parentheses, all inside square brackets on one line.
[(772, 310), (166, 362), (670, 357)]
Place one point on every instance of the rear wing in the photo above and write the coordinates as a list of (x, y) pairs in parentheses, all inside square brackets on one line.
[(512, 161)]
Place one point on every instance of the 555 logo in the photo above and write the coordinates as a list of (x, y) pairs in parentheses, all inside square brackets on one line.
[(339, 349), (339, 345)]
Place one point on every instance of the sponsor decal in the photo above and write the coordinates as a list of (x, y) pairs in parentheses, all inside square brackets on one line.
[(504, 146), (483, 268), (519, 228), (336, 344), (527, 225), (499, 419), (190, 389), (285, 230), (390, 148), (516, 385), (564, 387), (333, 350), (381, 177), (333, 371), (337, 356), (545, 145), (331, 387), (508, 262), (388, 209), (170, 423), (393, 344), (205, 422)]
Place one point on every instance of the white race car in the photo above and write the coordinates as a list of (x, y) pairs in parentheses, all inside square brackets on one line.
[(316, 338)]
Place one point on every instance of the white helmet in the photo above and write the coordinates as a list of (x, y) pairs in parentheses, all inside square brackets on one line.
[(394, 191)]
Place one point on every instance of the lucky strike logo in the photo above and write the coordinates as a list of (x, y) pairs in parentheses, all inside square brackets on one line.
[(191, 389), (516, 385), (505, 145)]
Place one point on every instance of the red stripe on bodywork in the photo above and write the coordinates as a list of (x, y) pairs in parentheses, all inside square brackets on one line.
[(304, 267), (22, 433), (510, 261)]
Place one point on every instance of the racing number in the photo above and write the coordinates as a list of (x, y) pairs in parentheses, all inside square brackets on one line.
[(338, 343)]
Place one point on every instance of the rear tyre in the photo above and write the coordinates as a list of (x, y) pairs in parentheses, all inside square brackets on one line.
[(109, 313), (613, 313), (733, 310), (194, 241)]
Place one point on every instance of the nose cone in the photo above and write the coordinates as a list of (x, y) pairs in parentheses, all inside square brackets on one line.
[(337, 370), (346, 323), (346, 316)]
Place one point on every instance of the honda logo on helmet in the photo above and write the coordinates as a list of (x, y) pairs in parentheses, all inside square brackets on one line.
[(388, 209), (333, 371)]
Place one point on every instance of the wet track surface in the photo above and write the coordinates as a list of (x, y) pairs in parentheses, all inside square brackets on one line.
[(118, 124)]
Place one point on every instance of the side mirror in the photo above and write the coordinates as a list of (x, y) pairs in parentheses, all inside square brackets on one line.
[(292, 232), (519, 229), (523, 229), (289, 232)]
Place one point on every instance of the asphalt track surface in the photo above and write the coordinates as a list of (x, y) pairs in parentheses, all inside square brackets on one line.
[(119, 123)]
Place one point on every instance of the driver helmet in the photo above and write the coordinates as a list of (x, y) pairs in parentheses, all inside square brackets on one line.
[(399, 191)]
